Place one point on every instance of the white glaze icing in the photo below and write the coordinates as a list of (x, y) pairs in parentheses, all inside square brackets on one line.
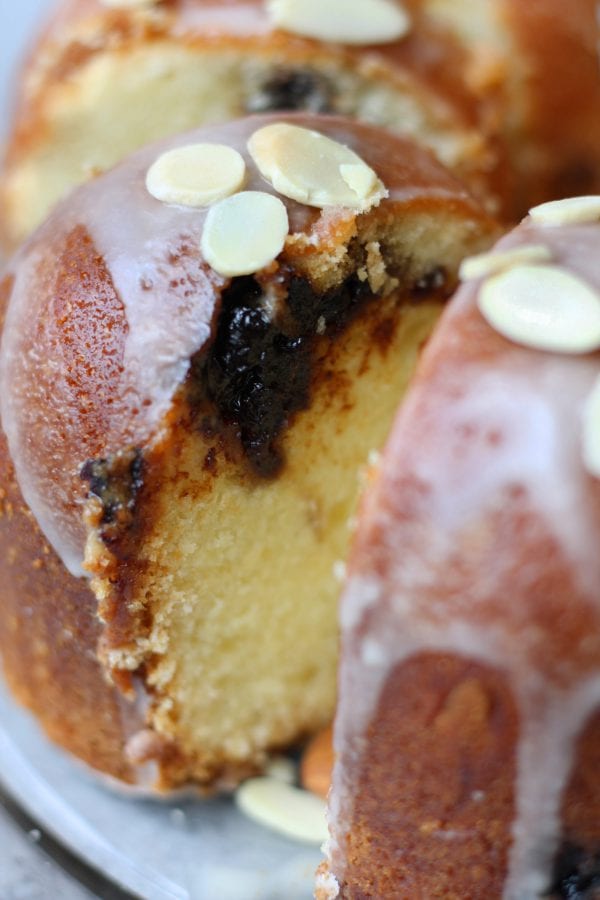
[(486, 426)]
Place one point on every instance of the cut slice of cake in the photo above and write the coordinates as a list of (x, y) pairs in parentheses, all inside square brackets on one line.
[(193, 435)]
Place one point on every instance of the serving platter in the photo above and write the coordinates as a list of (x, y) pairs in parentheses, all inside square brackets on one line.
[(182, 849)]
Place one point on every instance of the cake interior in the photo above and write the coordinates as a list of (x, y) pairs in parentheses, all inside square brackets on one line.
[(233, 574)]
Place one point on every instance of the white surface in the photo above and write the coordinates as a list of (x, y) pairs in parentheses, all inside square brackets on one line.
[(192, 850)]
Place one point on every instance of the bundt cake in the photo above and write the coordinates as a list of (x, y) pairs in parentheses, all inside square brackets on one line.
[(108, 77), (535, 67), (467, 737), (200, 349)]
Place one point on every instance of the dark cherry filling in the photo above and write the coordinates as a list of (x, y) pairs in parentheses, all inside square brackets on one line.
[(576, 875), (259, 369), (256, 375), (289, 89), (116, 482), (334, 308)]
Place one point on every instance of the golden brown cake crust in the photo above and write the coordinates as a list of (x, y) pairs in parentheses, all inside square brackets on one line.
[(47, 639), (48, 634), (457, 724)]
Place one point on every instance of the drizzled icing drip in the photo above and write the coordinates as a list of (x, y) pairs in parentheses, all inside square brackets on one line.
[(550, 738), (480, 539)]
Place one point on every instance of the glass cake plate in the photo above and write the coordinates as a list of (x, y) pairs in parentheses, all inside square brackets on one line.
[(182, 849), (191, 849)]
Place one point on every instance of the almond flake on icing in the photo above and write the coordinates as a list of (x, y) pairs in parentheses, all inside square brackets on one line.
[(571, 211), (313, 169), (286, 809), (196, 174), (544, 307), (244, 233), (343, 21), (485, 264), (591, 431)]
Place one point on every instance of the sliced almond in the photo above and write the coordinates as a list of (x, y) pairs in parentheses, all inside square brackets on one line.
[(244, 233), (485, 264), (544, 307), (196, 174), (343, 21), (571, 211), (591, 431), (311, 168), (288, 810)]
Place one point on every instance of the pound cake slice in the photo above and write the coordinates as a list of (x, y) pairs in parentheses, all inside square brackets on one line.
[(108, 77), (468, 731), (200, 350)]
